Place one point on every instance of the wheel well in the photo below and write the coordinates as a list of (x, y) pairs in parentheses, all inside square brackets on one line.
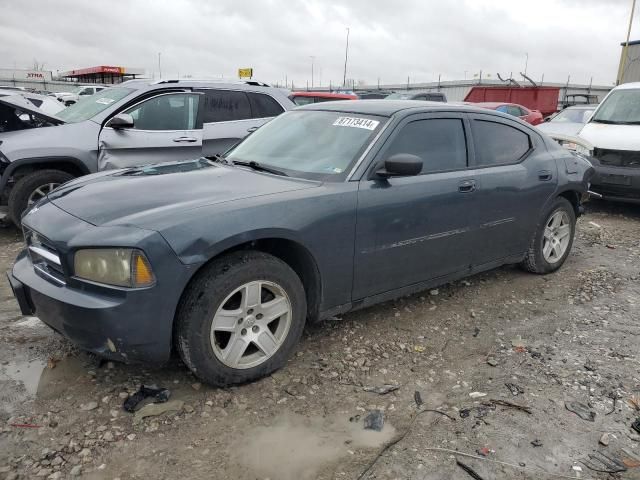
[(574, 200), (65, 166), (294, 255)]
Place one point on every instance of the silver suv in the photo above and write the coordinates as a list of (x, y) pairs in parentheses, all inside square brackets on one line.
[(131, 124)]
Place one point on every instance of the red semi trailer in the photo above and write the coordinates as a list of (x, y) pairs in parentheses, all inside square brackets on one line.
[(544, 99)]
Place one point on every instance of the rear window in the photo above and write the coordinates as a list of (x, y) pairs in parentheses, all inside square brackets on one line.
[(225, 106), (499, 144), (263, 106)]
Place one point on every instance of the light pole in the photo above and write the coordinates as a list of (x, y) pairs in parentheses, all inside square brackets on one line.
[(626, 45), (526, 63), (346, 56), (159, 67), (312, 60)]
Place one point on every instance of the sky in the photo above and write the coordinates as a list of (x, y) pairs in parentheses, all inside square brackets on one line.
[(389, 41)]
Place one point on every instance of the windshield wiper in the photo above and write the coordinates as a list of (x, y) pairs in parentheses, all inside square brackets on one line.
[(219, 158), (259, 167)]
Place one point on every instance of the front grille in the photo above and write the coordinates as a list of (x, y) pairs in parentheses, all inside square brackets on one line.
[(617, 158), (46, 260)]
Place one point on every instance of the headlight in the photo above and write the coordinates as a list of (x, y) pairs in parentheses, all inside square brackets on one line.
[(122, 267)]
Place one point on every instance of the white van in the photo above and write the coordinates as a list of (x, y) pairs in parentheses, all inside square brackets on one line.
[(614, 132)]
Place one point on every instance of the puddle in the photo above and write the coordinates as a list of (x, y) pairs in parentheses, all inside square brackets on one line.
[(22, 381), (297, 448)]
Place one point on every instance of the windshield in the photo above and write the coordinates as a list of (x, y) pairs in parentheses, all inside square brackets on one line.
[(573, 115), (89, 107), (621, 107), (310, 144)]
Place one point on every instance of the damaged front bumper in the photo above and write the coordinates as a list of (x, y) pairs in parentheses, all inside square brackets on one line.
[(111, 326)]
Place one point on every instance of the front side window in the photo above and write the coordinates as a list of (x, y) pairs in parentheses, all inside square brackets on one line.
[(166, 112), (310, 144), (439, 142), (225, 106), (263, 106), (513, 110), (88, 107), (620, 107), (499, 144)]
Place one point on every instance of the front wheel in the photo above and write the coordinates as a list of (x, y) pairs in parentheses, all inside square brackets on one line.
[(240, 318), (31, 188), (552, 241)]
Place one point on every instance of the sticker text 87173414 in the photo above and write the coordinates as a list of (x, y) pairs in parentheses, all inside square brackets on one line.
[(356, 123)]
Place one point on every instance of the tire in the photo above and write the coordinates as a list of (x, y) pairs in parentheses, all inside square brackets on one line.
[(21, 193), (535, 260), (204, 350)]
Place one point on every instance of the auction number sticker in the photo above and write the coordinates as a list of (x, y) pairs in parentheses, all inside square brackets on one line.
[(105, 101), (356, 123)]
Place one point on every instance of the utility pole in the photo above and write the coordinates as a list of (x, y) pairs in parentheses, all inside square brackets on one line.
[(623, 57), (312, 60), (346, 56), (526, 62), (159, 67)]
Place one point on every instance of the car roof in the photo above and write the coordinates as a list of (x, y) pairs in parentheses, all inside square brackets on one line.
[(323, 95), (628, 86), (147, 84), (588, 106), (387, 108), (494, 104)]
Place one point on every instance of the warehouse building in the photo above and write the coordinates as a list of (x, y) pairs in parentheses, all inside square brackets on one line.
[(630, 60)]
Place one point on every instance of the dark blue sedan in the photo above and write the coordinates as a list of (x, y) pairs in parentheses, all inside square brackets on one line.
[(327, 208)]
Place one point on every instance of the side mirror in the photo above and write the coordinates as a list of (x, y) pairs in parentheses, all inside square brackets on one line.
[(122, 120), (401, 165)]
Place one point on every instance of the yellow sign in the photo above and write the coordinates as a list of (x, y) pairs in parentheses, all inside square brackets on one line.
[(245, 72)]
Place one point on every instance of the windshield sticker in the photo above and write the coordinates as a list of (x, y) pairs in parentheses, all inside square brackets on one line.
[(356, 123), (105, 101)]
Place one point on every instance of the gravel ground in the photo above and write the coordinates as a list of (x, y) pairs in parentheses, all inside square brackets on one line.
[(472, 350)]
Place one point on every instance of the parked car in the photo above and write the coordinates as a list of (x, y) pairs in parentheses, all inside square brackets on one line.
[(614, 133), (373, 94), (534, 117), (327, 208), (131, 124), (410, 95), (568, 121), (44, 103), (19, 113), (74, 94), (305, 98)]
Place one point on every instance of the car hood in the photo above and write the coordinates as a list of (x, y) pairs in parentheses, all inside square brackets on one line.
[(560, 128), (18, 101), (612, 137), (142, 196)]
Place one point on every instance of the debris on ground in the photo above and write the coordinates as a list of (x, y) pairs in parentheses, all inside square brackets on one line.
[(382, 389), (636, 425), (504, 403), (514, 389), (492, 361), (485, 451), (418, 398), (374, 420), (477, 394), (472, 473), (604, 439), (89, 406), (601, 462), (536, 443), (155, 409), (160, 395), (582, 410)]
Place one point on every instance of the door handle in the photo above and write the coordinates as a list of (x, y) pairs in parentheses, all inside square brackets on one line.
[(185, 139), (467, 186), (544, 175)]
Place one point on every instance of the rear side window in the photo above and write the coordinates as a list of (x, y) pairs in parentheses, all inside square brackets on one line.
[(439, 142), (225, 106), (302, 100), (513, 110), (499, 144), (263, 106)]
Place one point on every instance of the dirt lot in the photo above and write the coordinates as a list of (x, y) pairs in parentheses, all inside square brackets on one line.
[(504, 336)]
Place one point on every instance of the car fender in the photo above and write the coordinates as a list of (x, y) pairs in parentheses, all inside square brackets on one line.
[(15, 165)]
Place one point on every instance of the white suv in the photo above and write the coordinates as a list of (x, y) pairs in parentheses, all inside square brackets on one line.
[(72, 96), (614, 133)]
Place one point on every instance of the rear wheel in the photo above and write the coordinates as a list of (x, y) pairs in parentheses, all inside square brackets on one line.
[(552, 242), (240, 318), (31, 188)]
